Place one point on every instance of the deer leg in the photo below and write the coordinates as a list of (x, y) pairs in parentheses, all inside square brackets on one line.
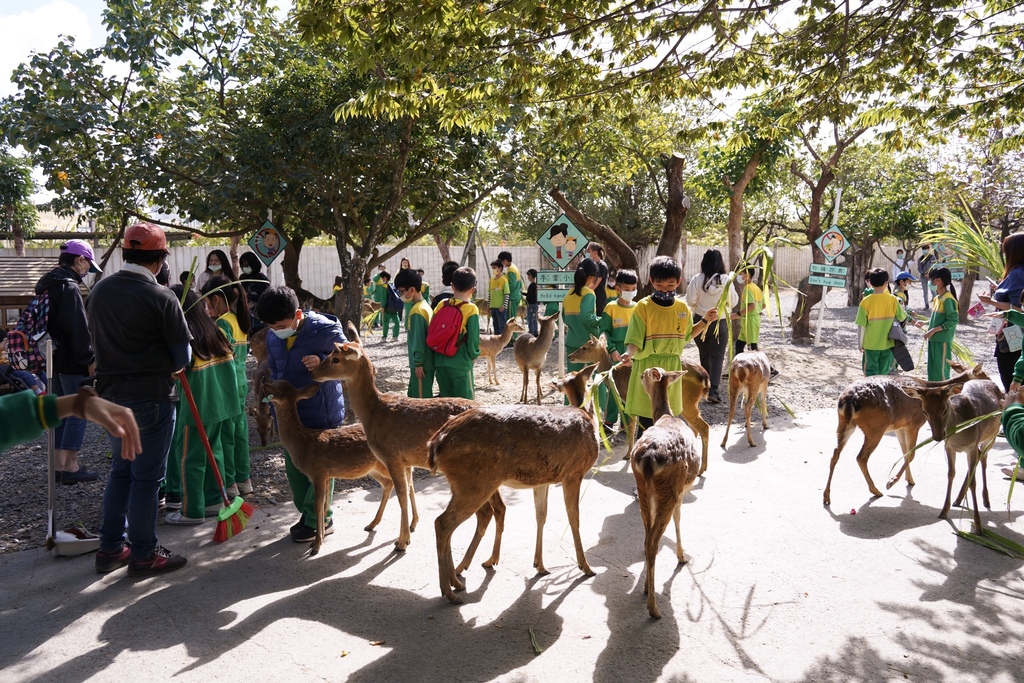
[(748, 407), (412, 502), (652, 540), (571, 494), (320, 503), (680, 555), (444, 527), (971, 469), (843, 433), (950, 473), (691, 413), (498, 507), (764, 406), (398, 475), (526, 386), (871, 442), (906, 444), (483, 518), (540, 506), (386, 486), (983, 459), (732, 412), (538, 371)]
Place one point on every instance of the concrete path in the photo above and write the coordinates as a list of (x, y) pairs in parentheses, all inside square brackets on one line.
[(778, 588)]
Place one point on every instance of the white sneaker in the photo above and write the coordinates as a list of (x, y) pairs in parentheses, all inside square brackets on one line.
[(244, 487), (214, 510), (178, 519), (233, 491)]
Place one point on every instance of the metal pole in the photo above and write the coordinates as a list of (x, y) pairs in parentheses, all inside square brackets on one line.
[(51, 493), (824, 290), (561, 342)]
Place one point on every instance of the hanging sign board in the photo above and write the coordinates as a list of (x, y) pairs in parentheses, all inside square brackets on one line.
[(562, 241), (826, 281), (268, 243), (555, 277), (549, 295), (824, 269), (832, 243)]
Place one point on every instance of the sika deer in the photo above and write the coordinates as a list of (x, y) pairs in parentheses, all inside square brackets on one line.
[(518, 446), (665, 465), (877, 405), (696, 383), (531, 352), (946, 407), (397, 427), (323, 454), (574, 386), (493, 344), (749, 374)]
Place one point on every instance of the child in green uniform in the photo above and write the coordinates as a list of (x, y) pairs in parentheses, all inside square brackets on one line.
[(515, 284), (424, 287), (751, 303), (454, 374), (579, 310), (211, 376), (421, 365), (391, 317), (614, 324), (497, 296), (226, 304), (875, 316), (659, 329), (942, 325)]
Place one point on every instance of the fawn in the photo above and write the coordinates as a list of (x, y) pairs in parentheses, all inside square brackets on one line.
[(749, 375), (397, 427), (665, 465), (518, 446), (493, 344), (531, 352), (324, 454)]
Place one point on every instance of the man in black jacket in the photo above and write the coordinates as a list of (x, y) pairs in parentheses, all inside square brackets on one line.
[(73, 359)]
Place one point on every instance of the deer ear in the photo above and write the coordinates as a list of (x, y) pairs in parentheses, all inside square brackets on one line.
[(675, 376), (911, 392), (589, 370)]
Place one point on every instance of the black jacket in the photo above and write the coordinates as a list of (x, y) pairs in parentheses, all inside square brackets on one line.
[(67, 323)]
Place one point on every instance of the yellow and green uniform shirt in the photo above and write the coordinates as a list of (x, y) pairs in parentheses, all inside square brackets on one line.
[(515, 287), (579, 311), (875, 314), (368, 290), (497, 290), (750, 323), (615, 323), (416, 326), (425, 291), (659, 333), (945, 316)]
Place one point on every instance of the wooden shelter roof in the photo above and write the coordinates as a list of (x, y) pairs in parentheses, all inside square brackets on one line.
[(18, 278)]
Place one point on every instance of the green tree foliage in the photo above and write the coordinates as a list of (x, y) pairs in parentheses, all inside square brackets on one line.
[(17, 213)]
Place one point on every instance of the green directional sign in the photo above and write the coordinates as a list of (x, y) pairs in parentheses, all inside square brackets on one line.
[(546, 296), (555, 277), (827, 281), (829, 269)]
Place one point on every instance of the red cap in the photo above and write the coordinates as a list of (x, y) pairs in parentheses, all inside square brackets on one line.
[(145, 236)]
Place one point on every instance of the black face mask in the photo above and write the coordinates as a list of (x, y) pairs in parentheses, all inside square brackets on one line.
[(663, 298)]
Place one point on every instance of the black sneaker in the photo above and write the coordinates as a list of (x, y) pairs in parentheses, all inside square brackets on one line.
[(713, 397), (774, 374), (161, 563), (108, 562), (305, 534), (81, 474), (297, 527)]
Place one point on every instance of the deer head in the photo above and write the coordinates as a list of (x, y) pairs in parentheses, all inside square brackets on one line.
[(935, 401), (591, 352), (343, 363), (281, 391), (574, 385)]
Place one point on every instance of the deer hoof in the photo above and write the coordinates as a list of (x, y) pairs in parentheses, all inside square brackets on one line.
[(400, 547), (453, 598), (370, 527), (653, 611)]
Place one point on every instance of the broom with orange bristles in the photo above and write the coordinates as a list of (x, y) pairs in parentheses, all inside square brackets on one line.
[(235, 514)]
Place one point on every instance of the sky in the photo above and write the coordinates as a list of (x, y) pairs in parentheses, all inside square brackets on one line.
[(28, 26)]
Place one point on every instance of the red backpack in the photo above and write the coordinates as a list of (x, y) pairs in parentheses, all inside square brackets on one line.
[(444, 328)]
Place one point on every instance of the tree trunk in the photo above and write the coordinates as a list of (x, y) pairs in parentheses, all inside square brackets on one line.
[(673, 239), (966, 290), (233, 255), (290, 262), (735, 222), (16, 231), (349, 301), (859, 260), (444, 246), (624, 255), (809, 295)]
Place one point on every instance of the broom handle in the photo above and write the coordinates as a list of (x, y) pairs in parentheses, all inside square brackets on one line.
[(180, 375)]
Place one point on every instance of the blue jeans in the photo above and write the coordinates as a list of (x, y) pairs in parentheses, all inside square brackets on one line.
[(133, 487), (531, 319), (71, 433), (498, 318)]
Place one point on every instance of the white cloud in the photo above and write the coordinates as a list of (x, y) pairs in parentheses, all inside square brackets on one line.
[(37, 30)]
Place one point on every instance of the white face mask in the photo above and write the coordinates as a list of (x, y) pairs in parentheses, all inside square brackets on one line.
[(408, 297), (247, 270), (215, 268), (741, 279), (285, 333), (627, 296)]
